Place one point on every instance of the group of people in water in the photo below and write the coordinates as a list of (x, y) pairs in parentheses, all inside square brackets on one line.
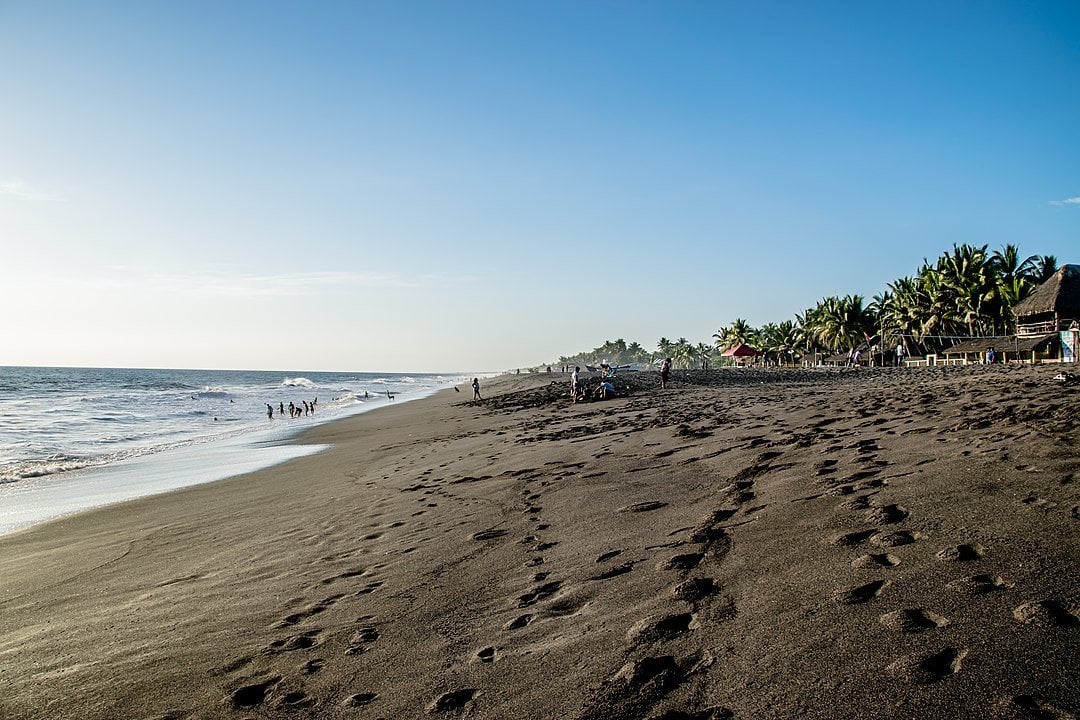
[(295, 410)]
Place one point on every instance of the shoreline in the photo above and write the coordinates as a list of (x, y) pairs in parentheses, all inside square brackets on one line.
[(873, 545), (31, 501)]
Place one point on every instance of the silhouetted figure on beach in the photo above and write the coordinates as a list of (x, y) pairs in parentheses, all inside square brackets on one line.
[(476, 389), (665, 373), (292, 410), (389, 396), (269, 411), (281, 409)]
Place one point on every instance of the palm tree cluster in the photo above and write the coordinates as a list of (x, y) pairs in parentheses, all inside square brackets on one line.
[(616, 352), (967, 292)]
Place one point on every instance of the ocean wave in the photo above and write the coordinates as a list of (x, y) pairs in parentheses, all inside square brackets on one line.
[(297, 382), (152, 384), (28, 469)]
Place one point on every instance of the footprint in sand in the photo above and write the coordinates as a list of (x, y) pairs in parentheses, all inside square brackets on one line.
[(295, 700), (519, 622), (360, 640), (253, 694), (312, 666), (1045, 613), (452, 701), (295, 618), (637, 686), (860, 593), (978, 584), (360, 699), (302, 641), (930, 668), (893, 539), (539, 594), (614, 572), (912, 620), (962, 553), (886, 514), (489, 534), (342, 576), (852, 538), (694, 589), (656, 628), (684, 561), (876, 560), (369, 588)]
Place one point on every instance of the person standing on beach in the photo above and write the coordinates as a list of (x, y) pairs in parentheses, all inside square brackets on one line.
[(574, 376), (476, 389), (269, 411), (900, 354), (665, 373)]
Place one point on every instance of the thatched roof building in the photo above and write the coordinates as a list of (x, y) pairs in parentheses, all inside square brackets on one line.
[(1053, 306)]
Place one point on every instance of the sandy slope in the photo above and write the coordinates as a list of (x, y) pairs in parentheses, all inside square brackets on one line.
[(822, 544)]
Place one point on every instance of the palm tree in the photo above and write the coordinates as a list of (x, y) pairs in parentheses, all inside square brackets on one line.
[(683, 353), (663, 348), (738, 332), (968, 275), (635, 353), (1040, 268), (702, 355), (839, 323)]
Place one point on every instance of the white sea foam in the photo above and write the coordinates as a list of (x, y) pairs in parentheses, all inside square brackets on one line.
[(63, 425)]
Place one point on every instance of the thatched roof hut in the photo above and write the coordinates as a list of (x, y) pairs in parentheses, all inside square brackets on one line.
[(1053, 306)]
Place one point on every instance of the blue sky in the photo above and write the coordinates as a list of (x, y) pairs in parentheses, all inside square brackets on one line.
[(479, 185)]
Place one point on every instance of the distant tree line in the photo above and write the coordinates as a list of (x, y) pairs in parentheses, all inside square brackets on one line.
[(967, 292)]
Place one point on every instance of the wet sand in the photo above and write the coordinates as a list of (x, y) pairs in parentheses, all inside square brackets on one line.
[(749, 544)]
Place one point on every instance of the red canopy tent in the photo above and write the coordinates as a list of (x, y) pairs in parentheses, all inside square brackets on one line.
[(741, 350)]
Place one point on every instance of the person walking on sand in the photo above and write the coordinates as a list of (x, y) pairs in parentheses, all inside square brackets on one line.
[(574, 377), (665, 373), (899, 354), (476, 389), (269, 411)]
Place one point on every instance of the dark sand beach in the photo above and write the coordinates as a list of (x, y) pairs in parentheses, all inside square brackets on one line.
[(749, 544)]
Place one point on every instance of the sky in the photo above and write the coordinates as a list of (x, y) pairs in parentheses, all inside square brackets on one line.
[(475, 186)]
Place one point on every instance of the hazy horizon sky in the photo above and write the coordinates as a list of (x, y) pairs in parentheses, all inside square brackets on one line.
[(429, 186)]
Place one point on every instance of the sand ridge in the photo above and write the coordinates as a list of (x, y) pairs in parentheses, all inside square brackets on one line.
[(749, 544)]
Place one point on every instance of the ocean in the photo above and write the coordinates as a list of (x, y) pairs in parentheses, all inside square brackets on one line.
[(74, 438)]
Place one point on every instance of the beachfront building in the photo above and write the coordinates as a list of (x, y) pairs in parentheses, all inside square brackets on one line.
[(1047, 326)]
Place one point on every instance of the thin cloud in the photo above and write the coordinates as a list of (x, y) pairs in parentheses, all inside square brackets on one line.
[(25, 191), (1067, 201), (128, 279)]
